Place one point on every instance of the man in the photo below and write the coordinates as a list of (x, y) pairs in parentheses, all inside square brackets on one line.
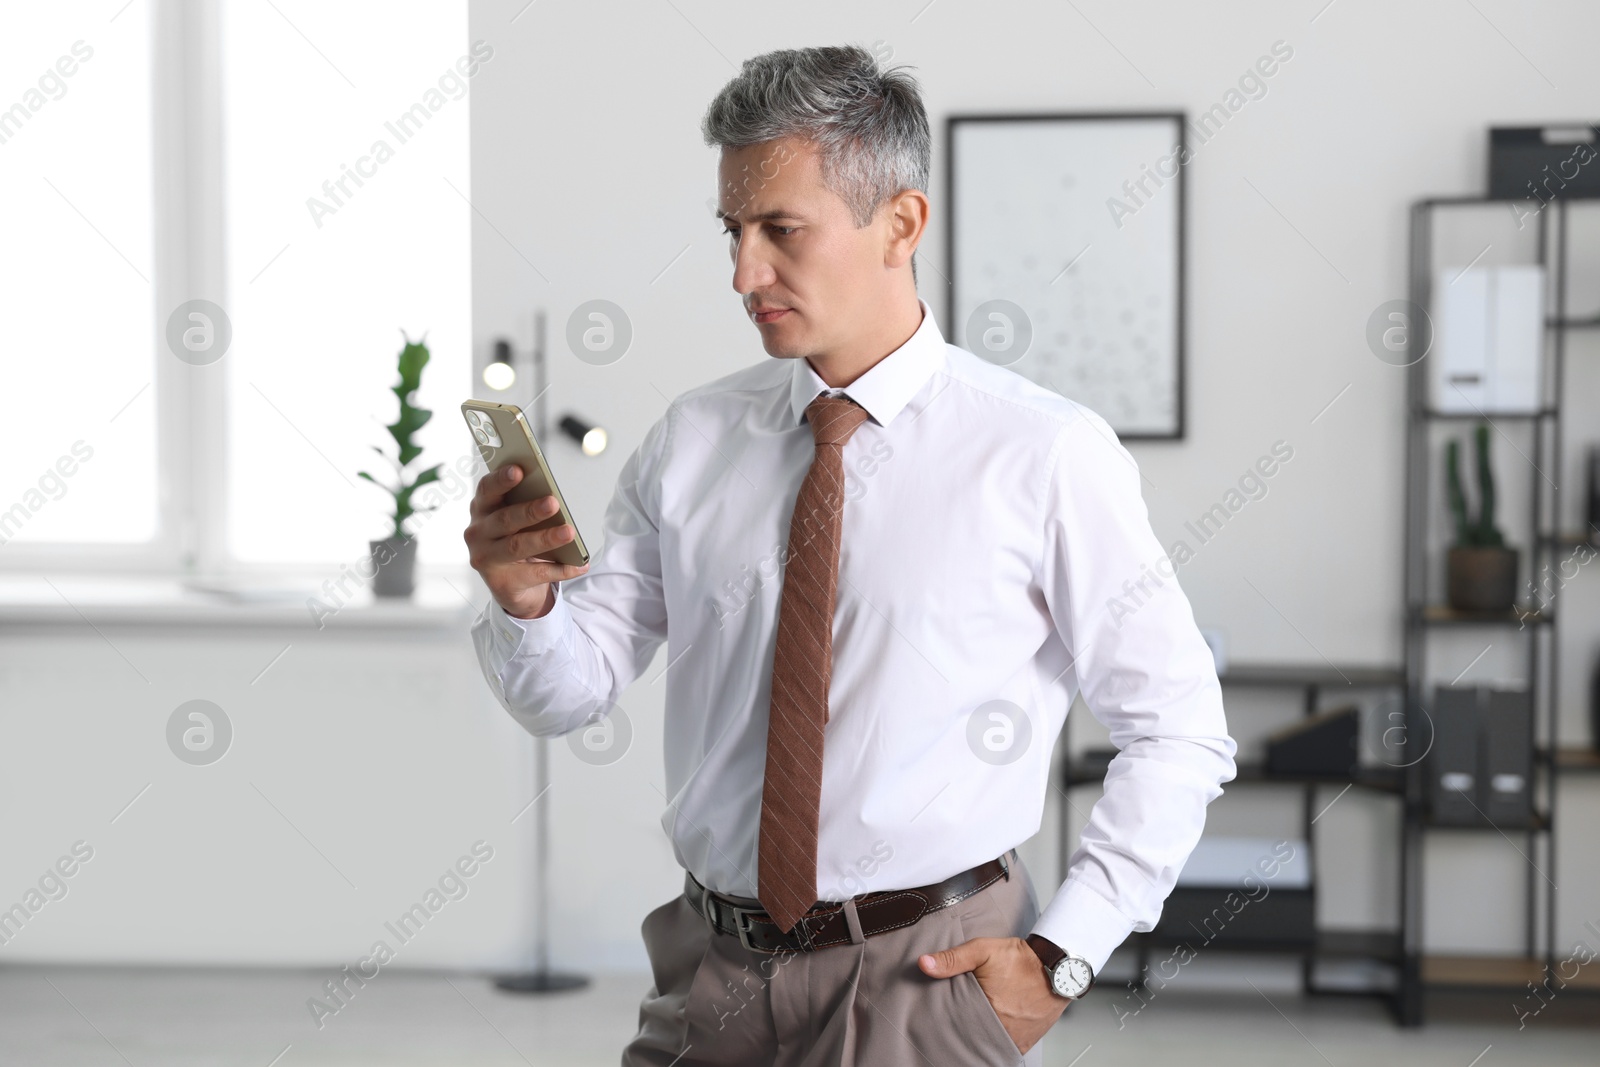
[(882, 567)]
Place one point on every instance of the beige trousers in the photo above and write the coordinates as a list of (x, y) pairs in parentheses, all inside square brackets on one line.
[(715, 1003)]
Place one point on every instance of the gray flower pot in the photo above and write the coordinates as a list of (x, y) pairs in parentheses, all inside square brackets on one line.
[(395, 560), (1482, 579)]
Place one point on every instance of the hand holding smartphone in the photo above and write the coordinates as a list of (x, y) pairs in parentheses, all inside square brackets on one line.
[(522, 537)]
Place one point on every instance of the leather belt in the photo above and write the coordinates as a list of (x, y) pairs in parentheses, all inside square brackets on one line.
[(829, 923)]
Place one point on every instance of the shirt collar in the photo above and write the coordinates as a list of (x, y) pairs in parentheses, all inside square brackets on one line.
[(888, 385)]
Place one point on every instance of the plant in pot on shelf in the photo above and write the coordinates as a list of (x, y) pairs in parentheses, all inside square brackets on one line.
[(1482, 568), (395, 557)]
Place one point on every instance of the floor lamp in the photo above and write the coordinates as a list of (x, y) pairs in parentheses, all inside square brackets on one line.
[(541, 979)]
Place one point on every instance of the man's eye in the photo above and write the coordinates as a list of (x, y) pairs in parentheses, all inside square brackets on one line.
[(785, 230), (730, 233)]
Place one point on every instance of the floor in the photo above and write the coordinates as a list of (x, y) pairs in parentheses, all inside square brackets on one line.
[(87, 1017)]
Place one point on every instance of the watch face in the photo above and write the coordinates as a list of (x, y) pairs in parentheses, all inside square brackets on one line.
[(1071, 977)]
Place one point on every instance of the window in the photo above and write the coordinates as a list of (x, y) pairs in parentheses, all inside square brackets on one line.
[(346, 173), (79, 463), (302, 166)]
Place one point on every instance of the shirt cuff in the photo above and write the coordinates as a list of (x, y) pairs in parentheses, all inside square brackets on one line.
[(510, 637), (1080, 921)]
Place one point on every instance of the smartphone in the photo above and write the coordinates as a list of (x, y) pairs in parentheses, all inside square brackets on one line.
[(504, 437)]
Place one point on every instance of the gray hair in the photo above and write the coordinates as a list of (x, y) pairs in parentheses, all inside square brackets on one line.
[(869, 125)]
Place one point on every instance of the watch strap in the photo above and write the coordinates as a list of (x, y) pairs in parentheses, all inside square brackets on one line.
[(1049, 952)]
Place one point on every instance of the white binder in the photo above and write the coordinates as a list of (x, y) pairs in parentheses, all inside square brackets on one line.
[(1489, 339)]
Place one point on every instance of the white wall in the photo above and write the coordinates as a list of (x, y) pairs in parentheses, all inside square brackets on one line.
[(589, 179), (366, 757)]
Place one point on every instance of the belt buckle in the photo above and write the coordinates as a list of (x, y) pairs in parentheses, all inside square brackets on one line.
[(741, 928)]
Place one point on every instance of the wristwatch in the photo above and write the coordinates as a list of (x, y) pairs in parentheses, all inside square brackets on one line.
[(1070, 976)]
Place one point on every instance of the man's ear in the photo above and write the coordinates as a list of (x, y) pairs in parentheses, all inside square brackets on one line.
[(908, 220)]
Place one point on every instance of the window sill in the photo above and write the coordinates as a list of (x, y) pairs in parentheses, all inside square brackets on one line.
[(440, 602)]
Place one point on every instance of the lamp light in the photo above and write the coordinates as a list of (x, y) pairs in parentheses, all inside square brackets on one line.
[(499, 373), (592, 439)]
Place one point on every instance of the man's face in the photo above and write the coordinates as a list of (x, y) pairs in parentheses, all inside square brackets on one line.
[(796, 250)]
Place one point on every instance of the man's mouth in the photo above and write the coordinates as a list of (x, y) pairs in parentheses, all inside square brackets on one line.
[(771, 315)]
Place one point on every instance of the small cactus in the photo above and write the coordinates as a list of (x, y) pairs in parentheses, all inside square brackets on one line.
[(1481, 533)]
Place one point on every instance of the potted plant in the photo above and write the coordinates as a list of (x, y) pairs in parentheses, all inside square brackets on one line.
[(395, 557), (1482, 568)]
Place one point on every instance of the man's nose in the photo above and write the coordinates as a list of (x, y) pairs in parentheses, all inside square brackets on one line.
[(750, 269)]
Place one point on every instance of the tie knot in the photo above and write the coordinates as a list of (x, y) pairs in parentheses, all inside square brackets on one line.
[(834, 418)]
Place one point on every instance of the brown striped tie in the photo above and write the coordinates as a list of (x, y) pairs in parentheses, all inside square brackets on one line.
[(802, 667)]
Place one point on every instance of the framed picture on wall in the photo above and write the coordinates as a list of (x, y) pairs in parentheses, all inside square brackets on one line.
[(1066, 252)]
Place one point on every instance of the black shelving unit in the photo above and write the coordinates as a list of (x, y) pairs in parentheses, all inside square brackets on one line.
[(1416, 973), (1312, 682), (1424, 615)]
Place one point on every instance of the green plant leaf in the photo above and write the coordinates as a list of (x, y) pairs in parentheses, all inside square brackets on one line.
[(1455, 494), (429, 475), (374, 481), (391, 460), (1488, 534), (413, 357), (403, 497)]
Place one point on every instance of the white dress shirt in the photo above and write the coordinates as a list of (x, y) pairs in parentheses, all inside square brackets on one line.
[(989, 527)]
